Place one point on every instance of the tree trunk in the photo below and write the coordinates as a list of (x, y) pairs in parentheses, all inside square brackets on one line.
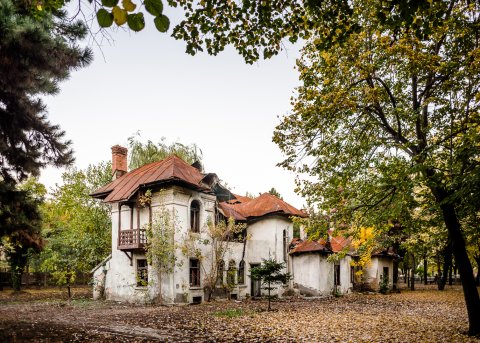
[(477, 279), (425, 267), (447, 263), (450, 276), (412, 285), (17, 273), (470, 292), (395, 274), (269, 298)]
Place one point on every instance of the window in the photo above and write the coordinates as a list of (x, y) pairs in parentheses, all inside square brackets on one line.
[(194, 272), (336, 275), (241, 273), (195, 216), (352, 274), (285, 245), (142, 272), (221, 268), (232, 270), (385, 273)]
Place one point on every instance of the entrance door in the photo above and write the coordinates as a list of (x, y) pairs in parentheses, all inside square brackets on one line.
[(255, 284)]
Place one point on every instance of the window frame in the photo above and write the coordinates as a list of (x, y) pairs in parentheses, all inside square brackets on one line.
[(194, 272), (336, 275), (241, 273), (231, 273), (195, 207), (141, 272)]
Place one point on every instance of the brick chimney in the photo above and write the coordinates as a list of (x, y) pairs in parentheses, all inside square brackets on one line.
[(119, 161)]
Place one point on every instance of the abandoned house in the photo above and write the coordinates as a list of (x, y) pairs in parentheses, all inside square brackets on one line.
[(194, 199)]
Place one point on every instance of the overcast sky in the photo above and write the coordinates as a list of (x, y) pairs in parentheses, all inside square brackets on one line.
[(146, 82)]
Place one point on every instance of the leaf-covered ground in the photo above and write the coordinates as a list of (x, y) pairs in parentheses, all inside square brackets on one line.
[(425, 315)]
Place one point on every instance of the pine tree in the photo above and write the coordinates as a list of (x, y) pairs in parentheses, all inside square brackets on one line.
[(36, 53)]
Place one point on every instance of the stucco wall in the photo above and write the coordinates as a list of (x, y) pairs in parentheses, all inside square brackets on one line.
[(375, 269), (313, 274), (265, 240)]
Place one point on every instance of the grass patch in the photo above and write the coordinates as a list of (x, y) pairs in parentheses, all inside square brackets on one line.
[(230, 313)]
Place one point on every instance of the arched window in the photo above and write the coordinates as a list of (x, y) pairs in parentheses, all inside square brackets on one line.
[(221, 268), (241, 273), (232, 270), (195, 216)]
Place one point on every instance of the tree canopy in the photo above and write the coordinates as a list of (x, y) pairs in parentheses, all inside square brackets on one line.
[(35, 54), (386, 114), (76, 226), (143, 153)]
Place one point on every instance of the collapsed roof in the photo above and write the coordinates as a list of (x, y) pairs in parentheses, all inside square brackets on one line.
[(335, 245)]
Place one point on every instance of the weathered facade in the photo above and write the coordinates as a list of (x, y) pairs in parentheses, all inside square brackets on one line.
[(314, 274), (193, 199)]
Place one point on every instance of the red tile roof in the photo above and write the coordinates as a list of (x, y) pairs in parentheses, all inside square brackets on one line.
[(263, 205), (172, 168), (309, 246), (238, 199), (229, 211), (337, 244)]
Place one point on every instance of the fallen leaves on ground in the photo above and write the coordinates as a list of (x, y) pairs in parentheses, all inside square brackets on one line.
[(425, 315)]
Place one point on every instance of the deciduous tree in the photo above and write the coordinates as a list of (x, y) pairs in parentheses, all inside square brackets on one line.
[(76, 226), (387, 111), (143, 153)]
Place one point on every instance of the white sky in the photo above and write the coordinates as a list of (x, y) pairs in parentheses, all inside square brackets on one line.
[(147, 82)]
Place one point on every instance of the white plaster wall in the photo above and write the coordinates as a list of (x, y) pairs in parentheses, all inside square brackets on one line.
[(375, 269), (313, 274), (346, 284), (265, 240)]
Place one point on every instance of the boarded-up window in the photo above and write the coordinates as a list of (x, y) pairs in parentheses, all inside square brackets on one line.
[(194, 272), (195, 216)]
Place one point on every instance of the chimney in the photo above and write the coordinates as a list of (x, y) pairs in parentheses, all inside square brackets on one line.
[(119, 161)]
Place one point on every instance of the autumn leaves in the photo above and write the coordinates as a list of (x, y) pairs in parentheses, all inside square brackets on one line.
[(124, 13)]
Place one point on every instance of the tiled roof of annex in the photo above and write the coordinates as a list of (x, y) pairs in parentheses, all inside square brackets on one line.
[(337, 244), (257, 207), (172, 168)]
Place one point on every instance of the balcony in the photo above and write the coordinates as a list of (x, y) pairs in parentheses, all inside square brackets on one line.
[(130, 240)]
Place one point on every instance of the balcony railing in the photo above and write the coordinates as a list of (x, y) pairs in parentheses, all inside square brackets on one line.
[(132, 239)]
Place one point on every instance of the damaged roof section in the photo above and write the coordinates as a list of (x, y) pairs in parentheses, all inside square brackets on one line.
[(262, 205), (335, 245), (174, 170)]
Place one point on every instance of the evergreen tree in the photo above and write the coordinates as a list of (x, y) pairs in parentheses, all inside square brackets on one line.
[(270, 272), (36, 52)]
